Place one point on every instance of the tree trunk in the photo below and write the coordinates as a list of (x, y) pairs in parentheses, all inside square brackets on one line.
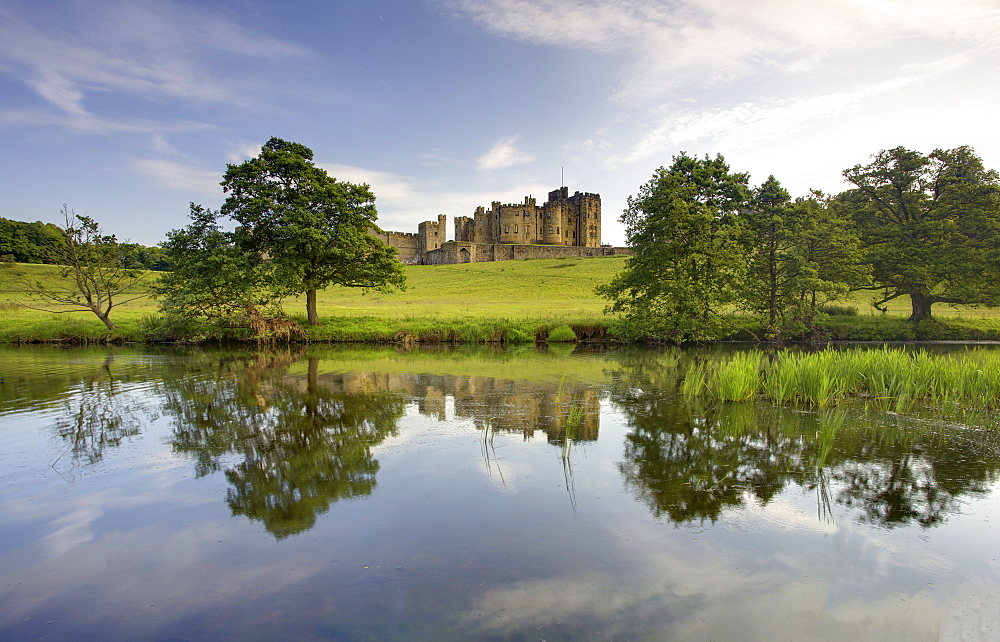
[(311, 313), (921, 307), (105, 318)]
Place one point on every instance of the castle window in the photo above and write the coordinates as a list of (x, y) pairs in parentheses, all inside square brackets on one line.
[(506, 229), (515, 229), (550, 229)]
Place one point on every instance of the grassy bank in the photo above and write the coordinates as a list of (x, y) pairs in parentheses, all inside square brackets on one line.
[(511, 301)]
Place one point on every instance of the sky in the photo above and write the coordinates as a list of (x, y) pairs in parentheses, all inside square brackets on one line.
[(129, 110)]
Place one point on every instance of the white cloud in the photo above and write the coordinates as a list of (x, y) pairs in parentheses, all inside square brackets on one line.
[(714, 41), (60, 92), (144, 49), (176, 175), (743, 125), (242, 150), (90, 124), (404, 202), (502, 155)]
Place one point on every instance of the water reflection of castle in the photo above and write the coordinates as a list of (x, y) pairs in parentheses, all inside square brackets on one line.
[(503, 404)]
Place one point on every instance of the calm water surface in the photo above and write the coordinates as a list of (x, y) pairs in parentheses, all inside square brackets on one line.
[(475, 493)]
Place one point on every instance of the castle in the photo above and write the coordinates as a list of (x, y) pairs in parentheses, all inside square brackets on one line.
[(564, 226)]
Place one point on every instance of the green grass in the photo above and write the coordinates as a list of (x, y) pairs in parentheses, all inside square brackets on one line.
[(553, 289), (891, 379), (508, 301)]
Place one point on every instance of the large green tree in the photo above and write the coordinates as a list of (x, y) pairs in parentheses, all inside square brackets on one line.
[(800, 255), (216, 284), (687, 260), (930, 225), (312, 228), (772, 262)]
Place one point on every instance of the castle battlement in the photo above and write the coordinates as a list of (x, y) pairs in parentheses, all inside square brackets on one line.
[(562, 221)]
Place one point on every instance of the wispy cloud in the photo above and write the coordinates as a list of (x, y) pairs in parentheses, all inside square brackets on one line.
[(66, 50), (404, 202), (242, 150), (713, 41), (502, 155), (745, 124), (91, 124), (180, 176)]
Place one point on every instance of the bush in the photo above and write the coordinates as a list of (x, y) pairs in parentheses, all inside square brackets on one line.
[(561, 334), (838, 310), (517, 334)]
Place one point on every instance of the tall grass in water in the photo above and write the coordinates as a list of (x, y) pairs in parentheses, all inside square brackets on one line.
[(890, 379), (739, 378)]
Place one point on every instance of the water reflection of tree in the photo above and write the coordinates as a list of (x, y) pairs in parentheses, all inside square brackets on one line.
[(99, 414), (689, 463), (301, 446), (897, 474)]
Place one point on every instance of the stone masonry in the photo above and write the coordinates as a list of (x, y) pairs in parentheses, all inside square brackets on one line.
[(564, 226)]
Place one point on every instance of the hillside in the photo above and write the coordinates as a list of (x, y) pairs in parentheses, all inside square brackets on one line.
[(556, 289), (469, 302)]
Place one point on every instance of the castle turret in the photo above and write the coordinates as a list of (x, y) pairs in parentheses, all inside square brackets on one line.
[(431, 235)]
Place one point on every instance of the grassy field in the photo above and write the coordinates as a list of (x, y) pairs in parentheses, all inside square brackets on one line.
[(468, 302)]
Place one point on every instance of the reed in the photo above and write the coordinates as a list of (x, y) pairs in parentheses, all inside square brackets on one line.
[(890, 379), (738, 379)]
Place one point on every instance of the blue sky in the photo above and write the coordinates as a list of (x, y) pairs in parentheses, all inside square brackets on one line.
[(129, 110)]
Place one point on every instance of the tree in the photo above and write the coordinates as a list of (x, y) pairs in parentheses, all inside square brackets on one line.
[(216, 283), (312, 228), (801, 254), (94, 271), (930, 226), (773, 263), (687, 260), (290, 446), (831, 256), (29, 242)]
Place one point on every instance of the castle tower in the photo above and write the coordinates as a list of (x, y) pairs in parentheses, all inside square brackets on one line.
[(465, 229), (431, 235), (515, 223)]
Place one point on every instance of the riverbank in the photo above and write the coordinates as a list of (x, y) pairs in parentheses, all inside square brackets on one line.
[(504, 302)]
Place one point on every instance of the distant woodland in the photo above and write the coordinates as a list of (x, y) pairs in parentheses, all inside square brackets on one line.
[(38, 242)]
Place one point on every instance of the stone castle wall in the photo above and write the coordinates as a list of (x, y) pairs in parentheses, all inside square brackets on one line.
[(463, 252), (407, 244), (564, 226), (508, 406)]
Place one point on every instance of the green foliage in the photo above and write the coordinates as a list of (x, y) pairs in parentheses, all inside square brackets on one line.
[(214, 284), (687, 258), (38, 242), (930, 225), (887, 378), (561, 334), (803, 254), (313, 229), (30, 242), (837, 310), (95, 272), (770, 234)]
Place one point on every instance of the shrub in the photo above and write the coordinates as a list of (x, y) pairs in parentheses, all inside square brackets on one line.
[(838, 310), (561, 334)]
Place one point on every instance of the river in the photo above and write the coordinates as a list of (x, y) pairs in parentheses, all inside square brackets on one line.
[(456, 493)]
